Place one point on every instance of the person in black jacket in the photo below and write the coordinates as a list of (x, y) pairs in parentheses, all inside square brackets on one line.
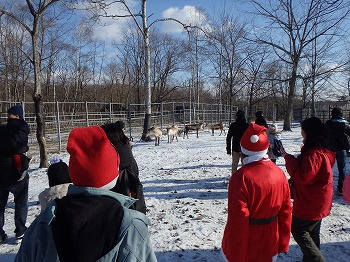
[(13, 169), (260, 119), (128, 182), (235, 133), (338, 132)]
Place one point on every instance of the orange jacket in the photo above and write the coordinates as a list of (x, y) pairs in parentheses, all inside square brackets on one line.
[(313, 182), (258, 190)]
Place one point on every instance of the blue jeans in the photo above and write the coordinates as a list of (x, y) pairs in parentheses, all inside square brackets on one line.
[(20, 193), (341, 163)]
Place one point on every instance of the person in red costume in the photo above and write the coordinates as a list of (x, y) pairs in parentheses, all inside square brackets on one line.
[(259, 207), (312, 177)]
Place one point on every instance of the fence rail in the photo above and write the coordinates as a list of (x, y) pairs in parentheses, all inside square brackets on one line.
[(61, 117)]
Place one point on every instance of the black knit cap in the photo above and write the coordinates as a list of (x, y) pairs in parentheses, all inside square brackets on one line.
[(120, 125), (240, 114), (259, 114), (58, 174), (337, 112)]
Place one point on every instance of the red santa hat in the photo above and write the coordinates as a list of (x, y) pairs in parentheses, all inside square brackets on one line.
[(254, 140), (93, 160)]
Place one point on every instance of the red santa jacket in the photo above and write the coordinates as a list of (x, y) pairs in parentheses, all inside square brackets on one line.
[(258, 192), (313, 182)]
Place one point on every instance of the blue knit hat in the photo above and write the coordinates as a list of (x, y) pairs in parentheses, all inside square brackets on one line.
[(16, 110)]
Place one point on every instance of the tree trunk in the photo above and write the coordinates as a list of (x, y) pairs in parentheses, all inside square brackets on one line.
[(289, 112), (148, 98), (40, 127), (37, 97)]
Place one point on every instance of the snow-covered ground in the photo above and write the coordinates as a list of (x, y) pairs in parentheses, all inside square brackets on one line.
[(186, 194)]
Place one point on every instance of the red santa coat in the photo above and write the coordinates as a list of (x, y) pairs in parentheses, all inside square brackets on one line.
[(258, 190), (313, 182)]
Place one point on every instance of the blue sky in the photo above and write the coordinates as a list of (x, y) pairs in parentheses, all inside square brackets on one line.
[(183, 10), (159, 6)]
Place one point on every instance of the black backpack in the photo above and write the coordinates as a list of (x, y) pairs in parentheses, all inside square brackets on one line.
[(276, 150)]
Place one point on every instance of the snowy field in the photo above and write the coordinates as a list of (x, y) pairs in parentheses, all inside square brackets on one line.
[(186, 194)]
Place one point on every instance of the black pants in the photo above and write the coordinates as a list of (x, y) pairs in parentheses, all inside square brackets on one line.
[(20, 193), (307, 234)]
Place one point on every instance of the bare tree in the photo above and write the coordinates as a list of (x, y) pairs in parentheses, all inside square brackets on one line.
[(227, 38), (14, 65), (322, 63), (166, 57), (294, 22), (36, 11), (144, 27), (253, 74), (130, 60)]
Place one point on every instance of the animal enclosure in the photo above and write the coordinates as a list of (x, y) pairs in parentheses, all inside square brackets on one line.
[(61, 117)]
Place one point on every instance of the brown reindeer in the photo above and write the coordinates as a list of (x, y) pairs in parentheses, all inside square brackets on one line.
[(173, 132), (219, 126), (155, 132), (195, 127)]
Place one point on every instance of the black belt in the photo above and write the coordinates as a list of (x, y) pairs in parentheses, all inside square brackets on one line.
[(261, 221)]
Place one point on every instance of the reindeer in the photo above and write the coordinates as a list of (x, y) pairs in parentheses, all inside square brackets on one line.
[(218, 127), (157, 133), (192, 127), (172, 132)]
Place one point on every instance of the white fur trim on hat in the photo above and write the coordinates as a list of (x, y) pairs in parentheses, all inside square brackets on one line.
[(110, 185), (249, 153), (255, 141)]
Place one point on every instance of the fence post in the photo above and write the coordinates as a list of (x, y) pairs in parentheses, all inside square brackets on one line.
[(87, 113), (173, 113), (58, 123), (203, 114), (225, 114), (24, 109), (161, 115), (192, 112), (184, 111), (129, 121), (110, 112)]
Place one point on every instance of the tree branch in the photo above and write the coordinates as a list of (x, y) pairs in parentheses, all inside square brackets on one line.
[(4, 12)]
